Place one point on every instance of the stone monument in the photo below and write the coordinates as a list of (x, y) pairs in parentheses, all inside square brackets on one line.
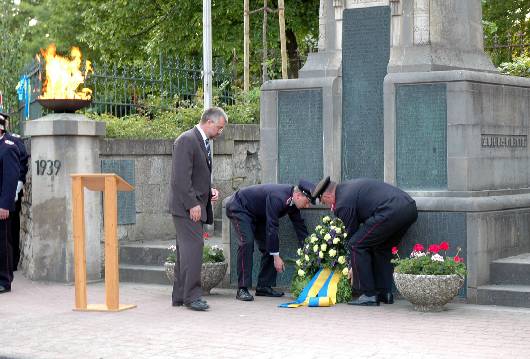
[(61, 144)]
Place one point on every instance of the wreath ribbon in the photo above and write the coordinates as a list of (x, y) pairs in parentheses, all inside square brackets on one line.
[(321, 291)]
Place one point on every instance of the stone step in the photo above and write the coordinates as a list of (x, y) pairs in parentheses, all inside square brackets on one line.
[(504, 294), (511, 270), (143, 274)]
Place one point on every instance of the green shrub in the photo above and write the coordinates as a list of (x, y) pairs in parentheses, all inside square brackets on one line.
[(520, 66)]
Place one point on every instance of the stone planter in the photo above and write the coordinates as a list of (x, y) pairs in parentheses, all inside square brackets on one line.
[(211, 274), (428, 293)]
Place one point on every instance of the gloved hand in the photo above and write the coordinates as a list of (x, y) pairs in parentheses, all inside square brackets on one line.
[(20, 185)]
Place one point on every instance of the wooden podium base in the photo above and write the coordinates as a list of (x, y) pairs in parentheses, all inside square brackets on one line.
[(104, 308)]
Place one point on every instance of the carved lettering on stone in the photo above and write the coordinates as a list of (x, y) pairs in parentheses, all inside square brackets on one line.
[(421, 22), (363, 3), (496, 141)]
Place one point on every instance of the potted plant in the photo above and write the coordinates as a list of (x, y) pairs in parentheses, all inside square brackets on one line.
[(214, 266), (429, 279)]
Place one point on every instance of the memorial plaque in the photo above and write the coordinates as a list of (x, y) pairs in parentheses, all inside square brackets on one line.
[(126, 200), (365, 56), (300, 151), (421, 137)]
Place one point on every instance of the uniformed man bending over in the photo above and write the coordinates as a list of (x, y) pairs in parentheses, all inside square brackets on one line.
[(9, 174), (386, 213), (254, 213), (15, 215)]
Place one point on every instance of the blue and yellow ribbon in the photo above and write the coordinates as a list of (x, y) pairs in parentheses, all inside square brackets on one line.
[(321, 291)]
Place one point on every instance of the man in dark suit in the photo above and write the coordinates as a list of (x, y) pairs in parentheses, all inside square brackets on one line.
[(254, 213), (15, 215), (190, 203), (9, 173), (385, 213)]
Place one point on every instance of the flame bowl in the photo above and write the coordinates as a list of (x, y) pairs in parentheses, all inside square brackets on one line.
[(64, 105)]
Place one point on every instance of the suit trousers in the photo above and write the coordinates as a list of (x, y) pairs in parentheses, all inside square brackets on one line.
[(188, 261), (371, 248), (15, 232), (6, 266)]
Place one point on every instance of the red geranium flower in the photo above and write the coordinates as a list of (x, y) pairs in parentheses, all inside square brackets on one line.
[(205, 235), (458, 259), (394, 250), (434, 248), (418, 247), (444, 246)]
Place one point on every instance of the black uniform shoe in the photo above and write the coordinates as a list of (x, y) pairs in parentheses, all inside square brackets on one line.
[(387, 298), (177, 304), (268, 292), (365, 300), (4, 289), (198, 306), (244, 295)]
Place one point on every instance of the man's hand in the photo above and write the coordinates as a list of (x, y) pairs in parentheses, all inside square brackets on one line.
[(195, 213), (215, 195), (20, 185), (278, 264), (4, 214)]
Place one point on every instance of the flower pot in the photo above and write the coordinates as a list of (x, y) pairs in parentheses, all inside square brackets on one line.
[(211, 274), (428, 293)]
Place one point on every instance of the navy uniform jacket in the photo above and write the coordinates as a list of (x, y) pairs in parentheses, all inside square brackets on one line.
[(9, 173), (360, 199), (267, 203), (24, 156)]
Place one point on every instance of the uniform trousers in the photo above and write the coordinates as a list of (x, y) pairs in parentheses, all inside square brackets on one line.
[(15, 231), (371, 247), (188, 261), (248, 230), (6, 266)]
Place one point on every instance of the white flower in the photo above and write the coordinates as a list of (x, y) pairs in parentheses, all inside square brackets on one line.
[(336, 240), (322, 232), (437, 258), (345, 272), (313, 239), (323, 247), (327, 237), (338, 230), (298, 262), (342, 260), (326, 219), (332, 252), (172, 248), (318, 228), (415, 254), (299, 251), (321, 254), (301, 273), (315, 248), (306, 258), (345, 235)]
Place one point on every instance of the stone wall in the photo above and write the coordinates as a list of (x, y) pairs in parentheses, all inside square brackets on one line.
[(235, 164)]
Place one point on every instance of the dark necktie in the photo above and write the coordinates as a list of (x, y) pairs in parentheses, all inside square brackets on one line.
[(207, 144)]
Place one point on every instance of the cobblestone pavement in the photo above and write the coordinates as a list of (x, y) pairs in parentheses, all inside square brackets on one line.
[(38, 322)]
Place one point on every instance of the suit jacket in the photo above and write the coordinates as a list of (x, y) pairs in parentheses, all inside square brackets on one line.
[(190, 177)]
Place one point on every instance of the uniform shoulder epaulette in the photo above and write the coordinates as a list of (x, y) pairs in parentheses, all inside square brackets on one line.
[(8, 142), (15, 135)]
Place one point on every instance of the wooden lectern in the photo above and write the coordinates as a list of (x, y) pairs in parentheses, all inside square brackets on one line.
[(109, 184)]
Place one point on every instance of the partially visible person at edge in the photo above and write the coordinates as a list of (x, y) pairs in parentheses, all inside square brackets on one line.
[(9, 174), (254, 213), (190, 202), (386, 213), (15, 215)]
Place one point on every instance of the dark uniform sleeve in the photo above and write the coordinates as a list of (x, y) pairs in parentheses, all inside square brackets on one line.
[(299, 225), (272, 210), (24, 158), (10, 169), (348, 215)]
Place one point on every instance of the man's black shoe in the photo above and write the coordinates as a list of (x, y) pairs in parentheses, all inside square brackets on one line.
[(244, 295), (365, 300), (268, 292), (4, 289), (387, 298), (177, 304), (198, 306)]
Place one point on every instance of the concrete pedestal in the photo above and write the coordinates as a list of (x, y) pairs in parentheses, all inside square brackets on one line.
[(62, 144)]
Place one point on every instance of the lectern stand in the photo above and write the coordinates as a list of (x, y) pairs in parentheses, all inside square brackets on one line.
[(109, 184)]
